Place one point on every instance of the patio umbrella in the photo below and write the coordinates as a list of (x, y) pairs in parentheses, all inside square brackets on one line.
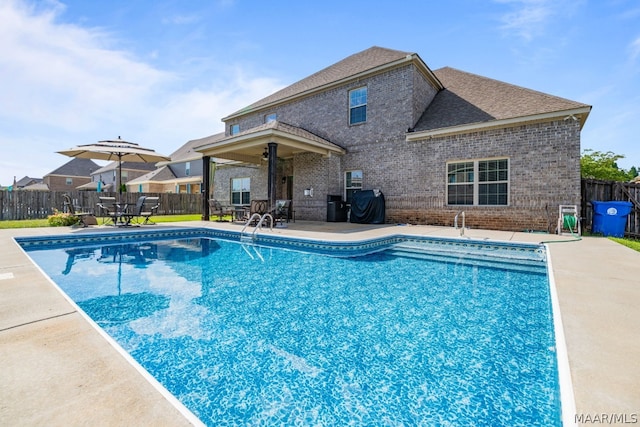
[(116, 150)]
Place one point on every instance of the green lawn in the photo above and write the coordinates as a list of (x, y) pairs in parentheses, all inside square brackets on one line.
[(33, 223), (630, 243)]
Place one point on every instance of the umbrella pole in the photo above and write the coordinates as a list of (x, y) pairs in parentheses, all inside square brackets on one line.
[(119, 178)]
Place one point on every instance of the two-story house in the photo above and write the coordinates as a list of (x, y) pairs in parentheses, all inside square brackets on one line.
[(73, 174), (433, 142)]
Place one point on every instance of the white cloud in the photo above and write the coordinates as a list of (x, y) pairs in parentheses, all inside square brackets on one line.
[(527, 17), (70, 85)]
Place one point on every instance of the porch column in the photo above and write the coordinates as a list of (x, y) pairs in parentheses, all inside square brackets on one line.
[(273, 162), (205, 190)]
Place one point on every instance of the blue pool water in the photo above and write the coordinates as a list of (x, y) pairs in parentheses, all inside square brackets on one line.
[(251, 335)]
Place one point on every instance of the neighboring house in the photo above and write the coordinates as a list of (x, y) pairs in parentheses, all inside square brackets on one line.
[(183, 174), (73, 174), (108, 175), (25, 182), (433, 142)]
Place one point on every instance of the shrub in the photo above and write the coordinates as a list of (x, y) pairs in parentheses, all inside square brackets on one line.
[(60, 219)]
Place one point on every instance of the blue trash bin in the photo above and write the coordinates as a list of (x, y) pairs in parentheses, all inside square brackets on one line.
[(610, 218)]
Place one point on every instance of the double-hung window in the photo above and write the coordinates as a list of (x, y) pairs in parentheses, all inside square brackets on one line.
[(478, 182), (240, 191), (352, 183), (358, 106), (187, 168)]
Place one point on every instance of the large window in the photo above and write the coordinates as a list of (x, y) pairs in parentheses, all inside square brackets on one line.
[(352, 183), (358, 106), (240, 194), (478, 182)]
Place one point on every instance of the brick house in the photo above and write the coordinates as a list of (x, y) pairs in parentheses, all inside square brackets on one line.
[(433, 142), (73, 174)]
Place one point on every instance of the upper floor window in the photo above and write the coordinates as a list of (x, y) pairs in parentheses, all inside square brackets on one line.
[(234, 129), (358, 106), (187, 168), (478, 182), (240, 191), (69, 181), (270, 117), (352, 183)]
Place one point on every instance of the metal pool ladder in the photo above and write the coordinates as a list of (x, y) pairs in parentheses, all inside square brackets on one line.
[(455, 223), (251, 237)]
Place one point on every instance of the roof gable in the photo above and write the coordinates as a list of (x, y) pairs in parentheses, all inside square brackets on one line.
[(468, 98), (352, 66), (76, 167)]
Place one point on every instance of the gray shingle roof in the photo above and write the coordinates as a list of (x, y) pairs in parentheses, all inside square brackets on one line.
[(187, 152), (357, 63), (469, 98), (76, 167)]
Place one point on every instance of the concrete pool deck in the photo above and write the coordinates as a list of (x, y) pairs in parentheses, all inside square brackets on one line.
[(56, 369)]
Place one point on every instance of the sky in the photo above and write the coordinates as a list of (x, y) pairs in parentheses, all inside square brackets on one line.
[(163, 72)]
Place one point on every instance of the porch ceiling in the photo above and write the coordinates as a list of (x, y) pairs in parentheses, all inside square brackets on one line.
[(249, 146)]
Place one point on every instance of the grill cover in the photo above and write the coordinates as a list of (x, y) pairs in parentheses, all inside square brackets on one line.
[(367, 207)]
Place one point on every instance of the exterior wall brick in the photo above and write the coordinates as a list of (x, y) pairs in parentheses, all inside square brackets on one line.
[(544, 158), (59, 183)]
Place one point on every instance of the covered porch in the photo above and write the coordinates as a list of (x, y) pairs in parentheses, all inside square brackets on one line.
[(267, 143)]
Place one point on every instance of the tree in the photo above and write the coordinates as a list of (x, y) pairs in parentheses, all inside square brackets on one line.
[(599, 165)]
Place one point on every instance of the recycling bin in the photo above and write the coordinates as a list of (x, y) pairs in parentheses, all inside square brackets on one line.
[(610, 218)]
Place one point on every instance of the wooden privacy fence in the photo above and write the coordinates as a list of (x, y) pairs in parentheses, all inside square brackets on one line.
[(16, 205), (607, 191)]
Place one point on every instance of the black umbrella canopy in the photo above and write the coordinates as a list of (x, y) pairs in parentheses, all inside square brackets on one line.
[(116, 150)]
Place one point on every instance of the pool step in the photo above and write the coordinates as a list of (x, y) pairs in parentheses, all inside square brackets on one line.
[(475, 257)]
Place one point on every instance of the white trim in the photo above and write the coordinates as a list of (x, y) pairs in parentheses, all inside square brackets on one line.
[(567, 398)]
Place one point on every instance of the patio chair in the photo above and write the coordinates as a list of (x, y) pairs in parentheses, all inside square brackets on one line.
[(283, 211), (109, 210), (217, 208), (86, 218), (149, 208), (259, 207)]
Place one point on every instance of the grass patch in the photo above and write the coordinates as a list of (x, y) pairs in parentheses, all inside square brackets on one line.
[(630, 243), (35, 223)]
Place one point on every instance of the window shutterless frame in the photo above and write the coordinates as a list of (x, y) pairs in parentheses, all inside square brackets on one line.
[(482, 182), (358, 105)]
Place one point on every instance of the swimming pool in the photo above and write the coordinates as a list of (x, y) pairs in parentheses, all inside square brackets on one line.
[(393, 331)]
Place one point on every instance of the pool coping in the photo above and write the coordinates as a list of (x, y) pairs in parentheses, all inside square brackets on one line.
[(579, 270)]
